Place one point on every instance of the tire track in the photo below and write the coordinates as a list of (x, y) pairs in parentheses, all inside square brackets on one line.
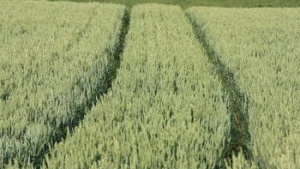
[(110, 75), (239, 138)]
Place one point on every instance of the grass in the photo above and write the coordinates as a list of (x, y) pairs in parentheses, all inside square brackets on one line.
[(222, 3)]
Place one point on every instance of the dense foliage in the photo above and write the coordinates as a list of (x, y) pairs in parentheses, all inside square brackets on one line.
[(191, 87)]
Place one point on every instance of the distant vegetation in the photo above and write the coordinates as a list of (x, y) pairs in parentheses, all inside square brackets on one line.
[(223, 3)]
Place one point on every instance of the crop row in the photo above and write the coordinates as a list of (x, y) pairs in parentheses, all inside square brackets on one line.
[(54, 57), (165, 108), (261, 47)]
